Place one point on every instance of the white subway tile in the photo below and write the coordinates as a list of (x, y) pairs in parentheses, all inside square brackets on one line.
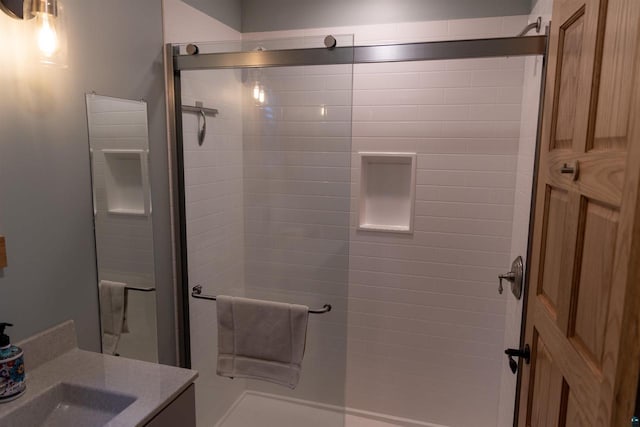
[(494, 78), (398, 97), (428, 297), (454, 79), (470, 95), (380, 81)]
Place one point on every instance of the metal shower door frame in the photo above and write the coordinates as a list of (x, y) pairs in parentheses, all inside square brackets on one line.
[(175, 63)]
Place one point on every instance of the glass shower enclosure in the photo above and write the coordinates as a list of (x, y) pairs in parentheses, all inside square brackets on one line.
[(267, 209), (402, 227)]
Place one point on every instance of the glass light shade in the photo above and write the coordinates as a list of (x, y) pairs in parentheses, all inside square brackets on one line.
[(47, 35), (50, 36)]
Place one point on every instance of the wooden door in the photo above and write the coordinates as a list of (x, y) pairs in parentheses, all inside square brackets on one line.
[(583, 306)]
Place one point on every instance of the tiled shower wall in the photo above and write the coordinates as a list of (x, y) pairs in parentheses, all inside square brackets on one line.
[(425, 320), (296, 200), (214, 217), (425, 323), (214, 210)]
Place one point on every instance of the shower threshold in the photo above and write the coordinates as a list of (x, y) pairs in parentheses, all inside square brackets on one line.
[(268, 410)]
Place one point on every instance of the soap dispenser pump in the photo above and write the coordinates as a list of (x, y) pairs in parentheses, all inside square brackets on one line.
[(12, 377)]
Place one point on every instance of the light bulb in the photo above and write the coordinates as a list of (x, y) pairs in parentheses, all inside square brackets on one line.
[(48, 42), (256, 92), (261, 96)]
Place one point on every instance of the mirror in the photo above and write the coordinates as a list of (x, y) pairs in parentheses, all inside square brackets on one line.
[(119, 149)]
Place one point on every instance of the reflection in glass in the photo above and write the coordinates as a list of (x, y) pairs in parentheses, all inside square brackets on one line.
[(119, 146)]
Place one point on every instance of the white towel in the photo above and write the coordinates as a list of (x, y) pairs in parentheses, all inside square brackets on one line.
[(113, 314), (261, 340)]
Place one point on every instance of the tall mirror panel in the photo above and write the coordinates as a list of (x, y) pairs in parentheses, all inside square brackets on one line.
[(119, 147)]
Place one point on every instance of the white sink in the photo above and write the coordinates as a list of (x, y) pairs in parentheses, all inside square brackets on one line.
[(66, 405)]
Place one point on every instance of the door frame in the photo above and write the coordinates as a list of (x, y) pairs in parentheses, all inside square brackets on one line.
[(532, 215)]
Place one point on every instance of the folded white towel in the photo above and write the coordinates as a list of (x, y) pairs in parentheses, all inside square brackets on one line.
[(261, 340), (113, 314)]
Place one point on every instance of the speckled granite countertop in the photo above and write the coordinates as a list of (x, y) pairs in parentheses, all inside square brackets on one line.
[(53, 357)]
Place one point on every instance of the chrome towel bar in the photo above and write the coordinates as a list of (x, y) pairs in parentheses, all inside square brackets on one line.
[(196, 292), (136, 288)]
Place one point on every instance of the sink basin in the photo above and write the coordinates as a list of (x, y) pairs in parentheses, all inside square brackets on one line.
[(69, 405)]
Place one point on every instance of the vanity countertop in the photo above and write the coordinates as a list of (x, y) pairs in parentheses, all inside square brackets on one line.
[(152, 385)]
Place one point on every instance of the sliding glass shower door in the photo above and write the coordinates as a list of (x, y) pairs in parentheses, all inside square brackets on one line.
[(267, 211)]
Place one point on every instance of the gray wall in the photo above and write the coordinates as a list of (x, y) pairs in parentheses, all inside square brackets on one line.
[(273, 15), (226, 11), (270, 15), (45, 187)]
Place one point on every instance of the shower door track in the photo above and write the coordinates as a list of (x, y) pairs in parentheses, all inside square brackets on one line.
[(175, 63), (427, 51)]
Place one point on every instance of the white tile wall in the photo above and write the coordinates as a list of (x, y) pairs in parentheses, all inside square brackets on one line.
[(425, 321), (425, 326), (524, 177), (214, 212), (296, 196)]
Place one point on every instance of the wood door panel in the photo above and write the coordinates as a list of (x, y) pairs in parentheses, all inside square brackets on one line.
[(615, 82), (575, 372), (573, 415), (556, 206), (546, 389), (567, 77), (590, 301)]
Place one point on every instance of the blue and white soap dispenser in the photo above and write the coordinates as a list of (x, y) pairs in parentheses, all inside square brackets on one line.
[(12, 376)]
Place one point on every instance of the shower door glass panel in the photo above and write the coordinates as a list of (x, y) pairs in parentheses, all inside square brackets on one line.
[(268, 198)]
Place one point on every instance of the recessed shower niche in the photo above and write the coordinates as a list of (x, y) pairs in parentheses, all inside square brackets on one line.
[(387, 192)]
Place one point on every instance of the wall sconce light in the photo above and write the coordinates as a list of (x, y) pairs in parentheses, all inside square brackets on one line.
[(50, 36)]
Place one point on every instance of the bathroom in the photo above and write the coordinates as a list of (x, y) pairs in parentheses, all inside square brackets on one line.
[(383, 164)]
